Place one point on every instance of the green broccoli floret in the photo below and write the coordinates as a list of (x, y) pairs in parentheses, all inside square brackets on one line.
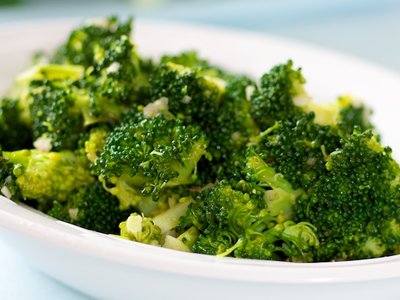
[(48, 176), (190, 94), (216, 101), (274, 101), (297, 149), (282, 97), (160, 230), (93, 143), (57, 108), (147, 154), (355, 204), (15, 133), (353, 114), (229, 131), (232, 222), (90, 207), (83, 42), (114, 69), (141, 229)]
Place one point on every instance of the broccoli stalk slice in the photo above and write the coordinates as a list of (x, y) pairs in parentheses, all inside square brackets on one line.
[(126, 189), (169, 219)]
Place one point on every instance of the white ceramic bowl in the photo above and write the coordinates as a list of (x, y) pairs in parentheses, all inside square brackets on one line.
[(110, 268)]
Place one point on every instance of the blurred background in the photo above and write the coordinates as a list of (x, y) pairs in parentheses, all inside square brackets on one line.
[(368, 29)]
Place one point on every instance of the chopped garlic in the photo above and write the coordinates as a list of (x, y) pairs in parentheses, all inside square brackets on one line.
[(152, 109), (43, 144), (6, 192)]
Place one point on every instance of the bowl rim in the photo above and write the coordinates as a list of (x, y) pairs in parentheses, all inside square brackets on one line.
[(25, 221)]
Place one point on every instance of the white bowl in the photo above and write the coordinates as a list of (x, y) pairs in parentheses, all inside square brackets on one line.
[(110, 268)]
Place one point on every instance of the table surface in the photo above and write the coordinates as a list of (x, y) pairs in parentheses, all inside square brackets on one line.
[(368, 29)]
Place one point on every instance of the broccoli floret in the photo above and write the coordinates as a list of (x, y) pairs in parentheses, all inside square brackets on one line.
[(147, 154), (353, 114), (140, 229), (278, 193), (95, 141), (83, 42), (114, 69), (282, 97), (56, 106), (274, 101), (47, 176), (90, 207), (214, 100), (159, 230), (191, 95), (355, 204), (229, 132), (297, 149), (232, 222), (15, 133)]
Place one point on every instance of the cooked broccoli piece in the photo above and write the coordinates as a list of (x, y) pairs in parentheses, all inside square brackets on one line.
[(353, 114), (114, 69), (59, 109), (229, 131), (141, 229), (275, 100), (95, 141), (47, 176), (232, 222), (355, 204), (147, 154), (188, 59), (159, 230), (90, 207), (15, 133), (297, 149), (215, 100), (190, 94), (282, 96), (83, 43)]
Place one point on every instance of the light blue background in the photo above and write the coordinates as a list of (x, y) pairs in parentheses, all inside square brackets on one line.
[(365, 28)]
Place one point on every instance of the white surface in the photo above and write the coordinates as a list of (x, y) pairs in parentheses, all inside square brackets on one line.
[(116, 269)]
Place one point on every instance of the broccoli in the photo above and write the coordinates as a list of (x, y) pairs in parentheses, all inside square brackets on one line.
[(355, 203), (159, 230), (297, 149), (15, 133), (94, 143), (113, 67), (232, 222), (84, 42), (90, 207), (214, 100), (282, 97), (182, 154), (141, 229), (57, 108), (46, 176), (229, 131), (147, 154)]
